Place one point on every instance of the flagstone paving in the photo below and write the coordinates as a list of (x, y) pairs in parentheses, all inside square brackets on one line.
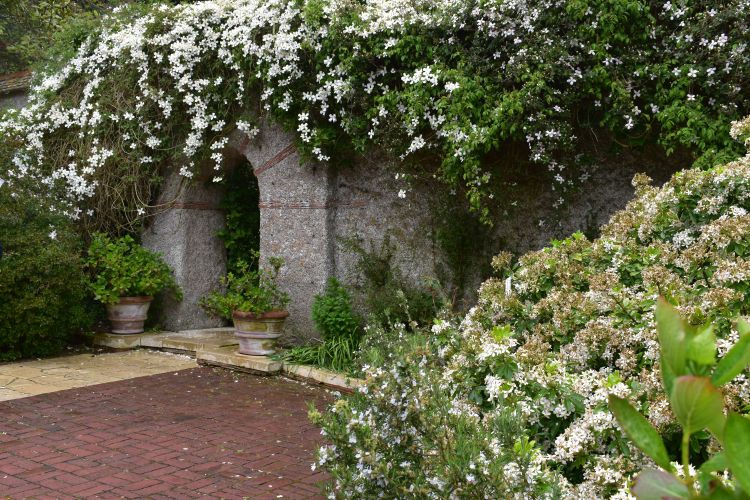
[(29, 378), (200, 432)]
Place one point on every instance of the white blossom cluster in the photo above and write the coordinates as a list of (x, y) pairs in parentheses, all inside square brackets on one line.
[(170, 85)]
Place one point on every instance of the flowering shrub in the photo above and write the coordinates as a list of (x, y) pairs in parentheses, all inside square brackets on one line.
[(549, 342), (457, 79), (691, 378)]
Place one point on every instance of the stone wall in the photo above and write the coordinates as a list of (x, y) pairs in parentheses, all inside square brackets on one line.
[(307, 213), (15, 100), (185, 233)]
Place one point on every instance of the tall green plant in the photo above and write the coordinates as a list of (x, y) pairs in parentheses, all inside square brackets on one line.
[(691, 377), (339, 328)]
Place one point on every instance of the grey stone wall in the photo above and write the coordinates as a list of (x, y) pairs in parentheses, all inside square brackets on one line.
[(185, 233), (15, 100), (307, 211), (295, 222)]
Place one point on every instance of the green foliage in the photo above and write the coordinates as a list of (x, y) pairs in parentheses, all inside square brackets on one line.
[(28, 27), (405, 436), (122, 268), (463, 240), (389, 297), (336, 354), (333, 314), (241, 233), (697, 404), (339, 328), (248, 289), (44, 301)]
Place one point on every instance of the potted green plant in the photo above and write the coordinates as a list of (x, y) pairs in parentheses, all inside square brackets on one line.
[(254, 302), (125, 277)]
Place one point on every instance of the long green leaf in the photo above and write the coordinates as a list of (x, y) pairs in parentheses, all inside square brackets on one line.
[(735, 361), (671, 332), (701, 346), (640, 431), (737, 448), (697, 404)]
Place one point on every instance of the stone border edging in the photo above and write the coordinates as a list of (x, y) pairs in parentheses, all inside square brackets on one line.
[(322, 376), (197, 343)]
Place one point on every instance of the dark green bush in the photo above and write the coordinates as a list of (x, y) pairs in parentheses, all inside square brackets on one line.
[(339, 328), (43, 297), (333, 314)]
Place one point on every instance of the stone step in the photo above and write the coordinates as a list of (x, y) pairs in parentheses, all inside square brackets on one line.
[(218, 347)]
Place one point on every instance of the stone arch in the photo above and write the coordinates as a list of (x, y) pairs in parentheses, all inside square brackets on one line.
[(305, 211)]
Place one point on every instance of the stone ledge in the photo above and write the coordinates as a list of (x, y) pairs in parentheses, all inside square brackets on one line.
[(189, 341), (228, 357), (322, 376)]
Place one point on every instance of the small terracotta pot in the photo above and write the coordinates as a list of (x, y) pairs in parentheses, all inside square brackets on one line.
[(128, 315), (257, 334)]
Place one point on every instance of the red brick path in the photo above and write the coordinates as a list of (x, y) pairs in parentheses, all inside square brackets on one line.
[(193, 433)]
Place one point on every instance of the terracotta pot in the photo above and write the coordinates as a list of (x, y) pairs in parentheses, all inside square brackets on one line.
[(128, 315), (258, 333)]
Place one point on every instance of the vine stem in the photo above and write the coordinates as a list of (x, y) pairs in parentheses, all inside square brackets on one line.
[(686, 463)]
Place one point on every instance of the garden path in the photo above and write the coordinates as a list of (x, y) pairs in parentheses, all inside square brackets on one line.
[(200, 432), (29, 378)]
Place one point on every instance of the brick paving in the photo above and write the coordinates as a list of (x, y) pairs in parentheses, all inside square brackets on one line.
[(199, 432)]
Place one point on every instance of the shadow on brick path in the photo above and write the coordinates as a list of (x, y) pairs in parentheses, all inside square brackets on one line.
[(200, 432)]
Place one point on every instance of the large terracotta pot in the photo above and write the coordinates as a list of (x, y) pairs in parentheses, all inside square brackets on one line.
[(257, 334), (128, 315)]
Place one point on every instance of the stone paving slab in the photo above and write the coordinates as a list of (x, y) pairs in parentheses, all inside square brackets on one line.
[(229, 357), (186, 340), (201, 432), (219, 347), (29, 378)]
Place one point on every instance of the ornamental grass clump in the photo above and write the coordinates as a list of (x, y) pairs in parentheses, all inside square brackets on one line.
[(339, 328), (551, 340)]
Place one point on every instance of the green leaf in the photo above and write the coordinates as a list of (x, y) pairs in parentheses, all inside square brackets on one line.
[(737, 448), (697, 403), (701, 346), (652, 484), (720, 493), (671, 331), (716, 463), (735, 361), (640, 430), (743, 327)]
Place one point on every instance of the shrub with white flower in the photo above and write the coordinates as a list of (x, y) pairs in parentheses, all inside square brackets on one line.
[(536, 364), (448, 81)]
